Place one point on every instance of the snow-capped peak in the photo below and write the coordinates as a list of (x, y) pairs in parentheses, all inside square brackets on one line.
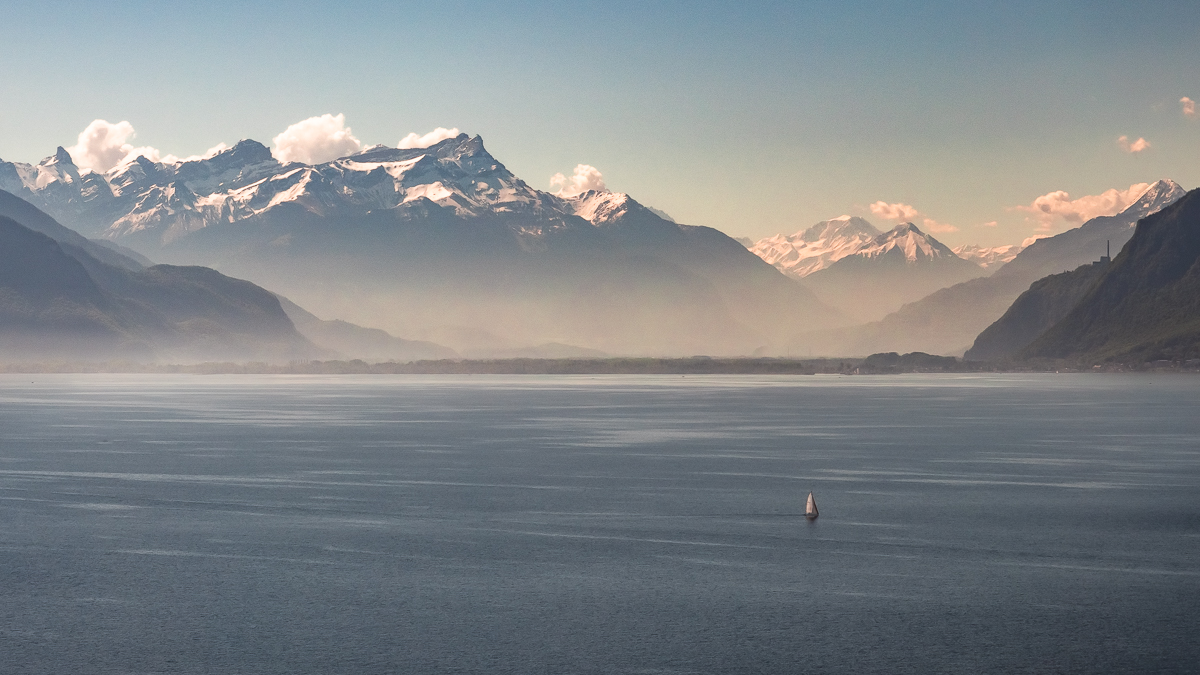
[(599, 206), (1158, 196), (816, 247), (988, 257), (57, 168), (908, 239)]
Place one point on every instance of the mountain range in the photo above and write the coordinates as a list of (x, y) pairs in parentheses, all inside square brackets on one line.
[(440, 243), (445, 246), (130, 308), (864, 272), (948, 320)]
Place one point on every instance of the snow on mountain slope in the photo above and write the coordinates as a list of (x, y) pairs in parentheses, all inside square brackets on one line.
[(167, 200), (600, 207), (907, 240), (893, 268), (1158, 196), (170, 199), (829, 241), (817, 247), (1067, 250), (987, 257)]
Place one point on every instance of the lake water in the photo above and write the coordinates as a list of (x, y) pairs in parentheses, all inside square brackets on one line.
[(620, 524)]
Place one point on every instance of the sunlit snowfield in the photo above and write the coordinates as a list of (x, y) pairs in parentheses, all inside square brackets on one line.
[(256, 524)]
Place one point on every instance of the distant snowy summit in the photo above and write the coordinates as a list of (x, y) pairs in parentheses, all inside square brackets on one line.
[(988, 257), (1161, 194), (820, 246), (817, 247), (905, 243)]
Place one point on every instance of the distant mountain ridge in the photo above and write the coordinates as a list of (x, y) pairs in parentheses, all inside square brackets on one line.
[(441, 240), (948, 321), (988, 257)]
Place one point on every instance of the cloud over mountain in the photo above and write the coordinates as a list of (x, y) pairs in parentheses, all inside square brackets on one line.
[(585, 177), (414, 140), (906, 213), (316, 140), (934, 226), (1189, 106), (1058, 205), (898, 211), (103, 144)]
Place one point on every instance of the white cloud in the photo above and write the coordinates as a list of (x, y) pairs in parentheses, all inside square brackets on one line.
[(990, 223), (899, 212), (1189, 107), (102, 145), (1058, 205), (585, 178), (316, 140), (907, 213), (413, 140), (1030, 240), (935, 227), (1132, 147)]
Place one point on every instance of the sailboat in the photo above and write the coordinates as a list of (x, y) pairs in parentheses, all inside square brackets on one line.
[(810, 509)]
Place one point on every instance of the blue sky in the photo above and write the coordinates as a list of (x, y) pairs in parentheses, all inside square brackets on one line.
[(755, 118)]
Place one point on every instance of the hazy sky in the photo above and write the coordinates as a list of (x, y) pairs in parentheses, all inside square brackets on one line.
[(755, 118)]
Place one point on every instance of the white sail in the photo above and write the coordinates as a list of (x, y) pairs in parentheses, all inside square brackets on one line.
[(810, 510)]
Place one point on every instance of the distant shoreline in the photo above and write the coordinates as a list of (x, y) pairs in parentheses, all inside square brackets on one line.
[(876, 364)]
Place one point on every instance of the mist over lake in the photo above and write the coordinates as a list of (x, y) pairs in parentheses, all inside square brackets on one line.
[(612, 524)]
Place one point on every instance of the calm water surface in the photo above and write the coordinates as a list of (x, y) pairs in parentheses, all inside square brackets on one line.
[(256, 524)]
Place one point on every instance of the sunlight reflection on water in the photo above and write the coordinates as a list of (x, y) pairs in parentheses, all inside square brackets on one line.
[(313, 524)]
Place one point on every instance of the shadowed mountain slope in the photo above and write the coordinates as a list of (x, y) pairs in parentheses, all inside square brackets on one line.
[(30, 216), (1146, 305), (58, 302), (1046, 302)]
